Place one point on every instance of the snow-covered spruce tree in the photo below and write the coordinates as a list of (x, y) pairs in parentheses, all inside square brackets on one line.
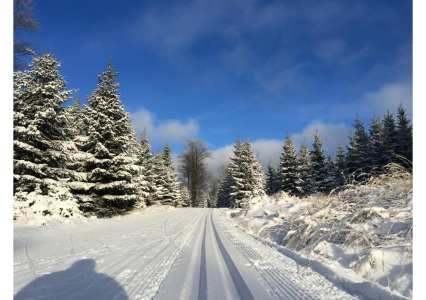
[(404, 135), (377, 144), (144, 155), (247, 175), (390, 138), (363, 151), (77, 117), (358, 160), (287, 168), (338, 175), (330, 171), (159, 178), (320, 176), (224, 193), (185, 199), (112, 142), (172, 195), (304, 183), (271, 184), (40, 141)]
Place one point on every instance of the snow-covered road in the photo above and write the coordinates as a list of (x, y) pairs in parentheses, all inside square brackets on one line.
[(191, 253)]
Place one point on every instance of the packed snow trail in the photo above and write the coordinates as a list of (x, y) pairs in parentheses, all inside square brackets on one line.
[(191, 253)]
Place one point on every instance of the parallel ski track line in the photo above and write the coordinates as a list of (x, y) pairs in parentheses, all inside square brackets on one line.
[(242, 288), (202, 292), (284, 287), (153, 272)]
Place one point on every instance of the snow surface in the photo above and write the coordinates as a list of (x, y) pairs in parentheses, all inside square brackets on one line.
[(161, 253), (360, 238)]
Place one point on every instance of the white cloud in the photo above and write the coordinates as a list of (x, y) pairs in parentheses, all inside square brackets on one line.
[(389, 96), (174, 130), (143, 119), (165, 131), (219, 157)]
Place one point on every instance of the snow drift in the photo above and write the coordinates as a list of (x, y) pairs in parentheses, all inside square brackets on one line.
[(364, 229)]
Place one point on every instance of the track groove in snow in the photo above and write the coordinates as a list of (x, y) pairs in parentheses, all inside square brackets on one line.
[(173, 254)]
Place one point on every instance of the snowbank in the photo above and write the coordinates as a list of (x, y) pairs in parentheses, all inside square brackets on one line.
[(361, 237)]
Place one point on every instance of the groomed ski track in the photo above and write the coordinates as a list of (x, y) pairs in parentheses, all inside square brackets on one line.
[(191, 253)]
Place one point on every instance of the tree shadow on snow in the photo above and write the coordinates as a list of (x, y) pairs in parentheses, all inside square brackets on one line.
[(80, 281)]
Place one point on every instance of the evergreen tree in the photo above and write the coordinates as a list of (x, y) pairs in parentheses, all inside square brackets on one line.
[(320, 176), (172, 196), (144, 154), (112, 141), (304, 182), (330, 183), (271, 184), (224, 193), (41, 141), (288, 166), (404, 135), (159, 174), (358, 161), (390, 138), (247, 175), (338, 168), (351, 159), (377, 143), (185, 199)]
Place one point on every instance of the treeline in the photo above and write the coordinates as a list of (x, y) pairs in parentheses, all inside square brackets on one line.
[(78, 159), (310, 171)]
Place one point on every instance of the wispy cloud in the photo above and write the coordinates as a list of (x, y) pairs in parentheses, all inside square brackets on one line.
[(166, 130)]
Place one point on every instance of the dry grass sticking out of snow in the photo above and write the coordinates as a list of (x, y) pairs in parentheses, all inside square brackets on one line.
[(366, 228)]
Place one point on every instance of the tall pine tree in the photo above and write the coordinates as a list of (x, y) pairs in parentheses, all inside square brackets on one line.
[(41, 141), (288, 166), (320, 176), (404, 135), (271, 184), (247, 175), (112, 141), (304, 171), (390, 138)]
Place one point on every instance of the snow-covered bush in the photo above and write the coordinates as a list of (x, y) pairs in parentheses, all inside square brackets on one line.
[(49, 201), (367, 228)]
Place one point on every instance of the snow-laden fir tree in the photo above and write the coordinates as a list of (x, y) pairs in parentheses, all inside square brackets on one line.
[(358, 159), (112, 142), (287, 168), (320, 176), (144, 155), (185, 199), (304, 171), (159, 178), (338, 175), (41, 141), (172, 195), (247, 175), (224, 193), (362, 150), (377, 144), (330, 171), (404, 135), (390, 138), (271, 182)]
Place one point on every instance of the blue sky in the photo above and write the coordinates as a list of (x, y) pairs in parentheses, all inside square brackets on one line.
[(218, 69)]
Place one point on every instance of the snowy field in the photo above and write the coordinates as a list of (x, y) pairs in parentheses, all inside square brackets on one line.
[(191, 253)]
